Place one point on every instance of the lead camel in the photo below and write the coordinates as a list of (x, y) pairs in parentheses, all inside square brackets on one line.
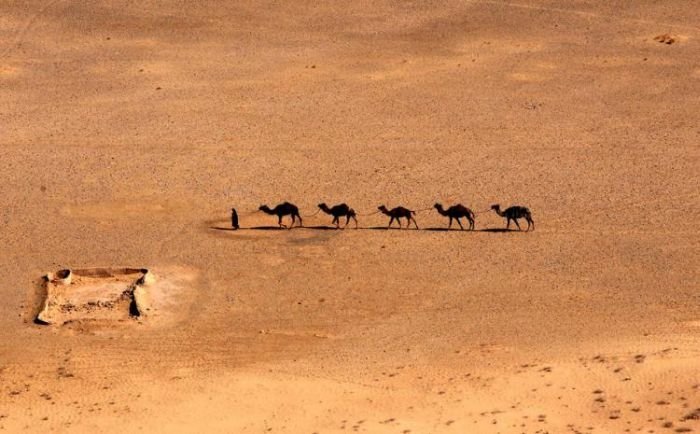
[(282, 210)]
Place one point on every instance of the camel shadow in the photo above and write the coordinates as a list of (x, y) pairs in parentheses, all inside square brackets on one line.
[(494, 230), (433, 229), (445, 230), (370, 228), (322, 228), (265, 228), (273, 228), (384, 228)]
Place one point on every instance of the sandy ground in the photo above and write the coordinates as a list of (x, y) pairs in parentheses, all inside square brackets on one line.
[(128, 129)]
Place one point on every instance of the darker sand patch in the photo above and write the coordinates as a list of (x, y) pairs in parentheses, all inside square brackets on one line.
[(666, 38)]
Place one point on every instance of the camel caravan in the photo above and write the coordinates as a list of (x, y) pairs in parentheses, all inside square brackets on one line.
[(453, 213)]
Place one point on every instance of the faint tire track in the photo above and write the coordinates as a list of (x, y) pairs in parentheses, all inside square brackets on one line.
[(587, 14), (22, 33)]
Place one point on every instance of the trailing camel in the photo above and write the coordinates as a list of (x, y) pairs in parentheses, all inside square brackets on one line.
[(514, 213)]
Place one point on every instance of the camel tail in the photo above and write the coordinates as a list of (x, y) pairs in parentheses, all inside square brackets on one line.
[(413, 212)]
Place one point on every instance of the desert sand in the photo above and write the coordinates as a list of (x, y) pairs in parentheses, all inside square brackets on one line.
[(129, 129)]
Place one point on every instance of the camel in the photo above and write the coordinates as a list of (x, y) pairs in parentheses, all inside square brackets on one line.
[(282, 210), (397, 213), (514, 213), (339, 211), (456, 212)]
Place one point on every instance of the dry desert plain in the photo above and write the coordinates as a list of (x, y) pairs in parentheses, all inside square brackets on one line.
[(129, 128)]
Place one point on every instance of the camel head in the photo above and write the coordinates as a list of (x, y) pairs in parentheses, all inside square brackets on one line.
[(438, 206), (382, 208), (323, 206), (496, 207), (263, 208)]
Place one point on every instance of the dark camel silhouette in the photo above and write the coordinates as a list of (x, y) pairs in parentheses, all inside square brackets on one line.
[(282, 210), (397, 213), (338, 211), (456, 212), (514, 213)]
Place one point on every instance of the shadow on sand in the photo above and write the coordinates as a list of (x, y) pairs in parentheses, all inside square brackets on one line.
[(273, 228), (370, 228)]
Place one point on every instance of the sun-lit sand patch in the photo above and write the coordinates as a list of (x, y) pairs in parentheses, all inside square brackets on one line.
[(142, 42), (156, 67), (626, 61), (611, 61), (9, 71), (529, 76), (120, 209), (488, 47), (535, 71)]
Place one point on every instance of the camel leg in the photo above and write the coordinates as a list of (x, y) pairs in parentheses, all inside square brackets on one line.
[(293, 221), (508, 225), (353, 217), (414, 222), (530, 220), (450, 225), (279, 222), (336, 221), (392, 221), (461, 228), (517, 224)]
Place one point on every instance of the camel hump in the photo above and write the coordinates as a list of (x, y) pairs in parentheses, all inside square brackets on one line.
[(521, 210)]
